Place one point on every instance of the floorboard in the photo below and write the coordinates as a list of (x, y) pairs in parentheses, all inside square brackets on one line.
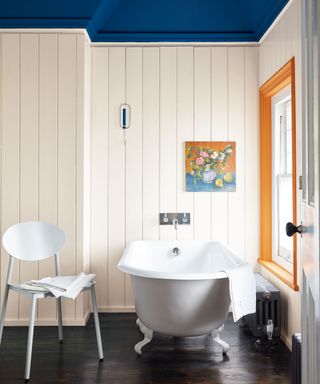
[(165, 360)]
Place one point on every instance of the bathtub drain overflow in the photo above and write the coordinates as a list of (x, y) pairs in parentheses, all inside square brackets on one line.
[(176, 251)]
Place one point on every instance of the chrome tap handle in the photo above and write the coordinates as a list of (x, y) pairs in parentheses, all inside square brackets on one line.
[(184, 218)]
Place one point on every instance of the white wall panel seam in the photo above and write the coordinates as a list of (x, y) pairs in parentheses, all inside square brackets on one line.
[(160, 121), (193, 124), (107, 187), (108, 176), (125, 172), (57, 132), (244, 155), (211, 138), (38, 150), (1, 142), (75, 214), (177, 134), (91, 160), (142, 140), (228, 106), (19, 170)]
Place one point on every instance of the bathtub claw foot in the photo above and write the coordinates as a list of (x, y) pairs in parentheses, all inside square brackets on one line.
[(216, 337), (148, 334)]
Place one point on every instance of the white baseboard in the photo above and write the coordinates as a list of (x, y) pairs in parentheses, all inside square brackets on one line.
[(115, 309), (69, 322), (48, 322)]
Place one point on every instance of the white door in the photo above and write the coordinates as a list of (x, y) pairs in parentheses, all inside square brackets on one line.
[(310, 197)]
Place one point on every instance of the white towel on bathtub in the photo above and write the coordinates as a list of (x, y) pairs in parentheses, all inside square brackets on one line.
[(242, 288)]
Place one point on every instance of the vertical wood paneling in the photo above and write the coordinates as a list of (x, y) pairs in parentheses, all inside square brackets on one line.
[(287, 33), (219, 132), (184, 133), (202, 132), (169, 106), (2, 255), (296, 49), (187, 93), (47, 151), (42, 120), (280, 50), (282, 43), (251, 151), (116, 186), (133, 155), (86, 168), (236, 94), (10, 213), (150, 139), (168, 136), (79, 165), (99, 172), (28, 149), (67, 123)]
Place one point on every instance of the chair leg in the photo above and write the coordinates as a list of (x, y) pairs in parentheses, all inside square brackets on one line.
[(30, 338), (96, 321), (4, 310), (59, 310)]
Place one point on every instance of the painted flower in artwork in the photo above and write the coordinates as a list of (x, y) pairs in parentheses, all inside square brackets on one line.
[(199, 161), (214, 155), (210, 166)]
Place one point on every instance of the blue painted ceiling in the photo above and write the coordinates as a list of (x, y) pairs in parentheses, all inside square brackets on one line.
[(148, 20)]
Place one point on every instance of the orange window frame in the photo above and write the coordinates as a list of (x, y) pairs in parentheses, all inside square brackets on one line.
[(284, 77)]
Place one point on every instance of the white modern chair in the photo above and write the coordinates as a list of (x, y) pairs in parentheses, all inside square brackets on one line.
[(34, 241)]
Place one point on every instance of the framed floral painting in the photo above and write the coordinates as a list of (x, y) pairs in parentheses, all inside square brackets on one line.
[(210, 166)]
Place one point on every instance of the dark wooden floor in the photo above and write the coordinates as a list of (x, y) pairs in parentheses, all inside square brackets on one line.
[(165, 360)]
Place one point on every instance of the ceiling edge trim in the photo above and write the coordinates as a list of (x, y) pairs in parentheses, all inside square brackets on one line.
[(176, 44), (128, 43)]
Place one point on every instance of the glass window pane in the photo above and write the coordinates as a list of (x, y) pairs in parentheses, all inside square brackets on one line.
[(282, 199)]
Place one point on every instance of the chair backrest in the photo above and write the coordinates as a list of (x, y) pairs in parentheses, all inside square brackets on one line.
[(33, 240)]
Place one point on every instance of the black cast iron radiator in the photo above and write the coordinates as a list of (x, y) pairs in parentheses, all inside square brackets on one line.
[(268, 308), (296, 358)]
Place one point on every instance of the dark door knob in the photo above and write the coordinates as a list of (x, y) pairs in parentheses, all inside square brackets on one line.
[(291, 229)]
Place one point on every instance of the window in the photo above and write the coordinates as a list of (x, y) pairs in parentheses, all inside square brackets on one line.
[(278, 175), (282, 197)]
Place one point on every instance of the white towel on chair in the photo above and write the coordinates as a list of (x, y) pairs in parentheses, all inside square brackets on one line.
[(65, 286), (242, 287)]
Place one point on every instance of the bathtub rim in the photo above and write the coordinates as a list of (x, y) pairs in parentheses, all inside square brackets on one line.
[(148, 273)]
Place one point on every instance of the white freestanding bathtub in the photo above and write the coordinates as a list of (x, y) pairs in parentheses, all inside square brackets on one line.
[(179, 287)]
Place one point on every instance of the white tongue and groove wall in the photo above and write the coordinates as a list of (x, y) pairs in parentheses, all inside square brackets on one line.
[(44, 92), (64, 161), (176, 94)]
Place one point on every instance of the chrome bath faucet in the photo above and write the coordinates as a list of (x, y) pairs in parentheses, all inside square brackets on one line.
[(175, 223), (174, 219)]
